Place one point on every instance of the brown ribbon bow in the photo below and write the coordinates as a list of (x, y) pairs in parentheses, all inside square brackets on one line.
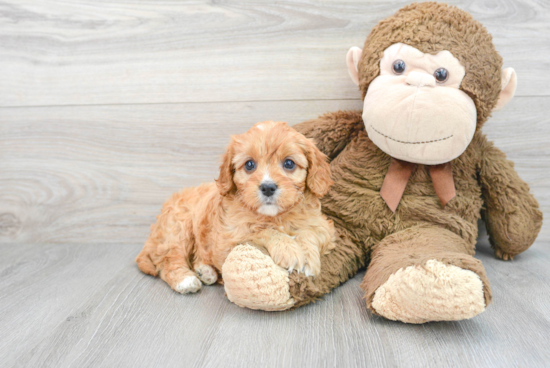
[(399, 173)]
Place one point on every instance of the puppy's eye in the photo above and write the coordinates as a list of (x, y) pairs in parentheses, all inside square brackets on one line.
[(398, 66), (289, 164), (441, 75), (250, 165)]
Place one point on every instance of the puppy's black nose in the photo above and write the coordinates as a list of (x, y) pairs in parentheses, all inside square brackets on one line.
[(268, 189)]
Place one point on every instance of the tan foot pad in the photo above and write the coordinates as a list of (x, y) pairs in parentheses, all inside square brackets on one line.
[(433, 292), (254, 281)]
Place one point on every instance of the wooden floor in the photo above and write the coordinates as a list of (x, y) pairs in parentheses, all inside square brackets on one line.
[(107, 107), (89, 306)]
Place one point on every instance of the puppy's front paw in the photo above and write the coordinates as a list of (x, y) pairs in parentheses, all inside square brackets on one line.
[(313, 265), (207, 274), (287, 254), (190, 284)]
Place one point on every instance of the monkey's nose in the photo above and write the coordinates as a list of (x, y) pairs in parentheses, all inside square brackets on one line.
[(268, 188), (419, 79)]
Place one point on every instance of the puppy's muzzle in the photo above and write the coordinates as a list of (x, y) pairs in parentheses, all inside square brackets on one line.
[(268, 189)]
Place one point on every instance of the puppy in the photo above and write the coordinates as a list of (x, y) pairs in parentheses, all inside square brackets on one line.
[(267, 194)]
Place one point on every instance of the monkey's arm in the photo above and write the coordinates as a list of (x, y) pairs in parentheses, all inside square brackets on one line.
[(332, 131), (512, 214)]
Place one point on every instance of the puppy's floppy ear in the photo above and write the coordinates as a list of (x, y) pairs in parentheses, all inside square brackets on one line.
[(225, 180), (318, 173)]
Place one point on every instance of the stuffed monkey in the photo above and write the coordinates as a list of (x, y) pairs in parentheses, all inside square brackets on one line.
[(413, 173)]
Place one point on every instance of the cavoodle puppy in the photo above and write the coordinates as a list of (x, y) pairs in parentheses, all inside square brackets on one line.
[(267, 194)]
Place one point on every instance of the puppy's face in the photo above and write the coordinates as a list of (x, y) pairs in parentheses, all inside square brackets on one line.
[(271, 166)]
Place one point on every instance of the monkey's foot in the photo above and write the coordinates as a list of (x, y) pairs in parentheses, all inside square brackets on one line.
[(431, 292), (254, 281)]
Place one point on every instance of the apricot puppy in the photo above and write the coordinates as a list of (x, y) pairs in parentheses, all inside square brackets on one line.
[(267, 194)]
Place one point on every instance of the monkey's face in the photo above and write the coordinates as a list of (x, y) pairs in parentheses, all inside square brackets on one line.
[(415, 111)]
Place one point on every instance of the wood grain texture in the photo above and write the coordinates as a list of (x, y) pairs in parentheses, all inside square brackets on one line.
[(99, 174), (107, 107), (56, 52), (89, 306)]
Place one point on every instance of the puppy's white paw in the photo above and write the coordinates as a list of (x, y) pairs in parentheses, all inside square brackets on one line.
[(312, 267), (308, 271), (287, 253), (291, 260), (207, 274), (190, 284)]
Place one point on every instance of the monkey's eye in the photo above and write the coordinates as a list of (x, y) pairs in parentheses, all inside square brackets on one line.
[(398, 66), (250, 165), (441, 75), (289, 164)]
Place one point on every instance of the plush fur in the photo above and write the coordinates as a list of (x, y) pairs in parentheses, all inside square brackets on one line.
[(421, 238), (198, 227), (434, 27)]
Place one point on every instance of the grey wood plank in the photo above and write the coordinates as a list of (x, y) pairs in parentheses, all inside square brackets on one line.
[(144, 51), (90, 306), (42, 286), (512, 332), (103, 172), (53, 315), (96, 174)]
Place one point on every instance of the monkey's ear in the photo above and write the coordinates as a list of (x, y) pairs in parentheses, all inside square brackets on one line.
[(352, 59), (509, 84)]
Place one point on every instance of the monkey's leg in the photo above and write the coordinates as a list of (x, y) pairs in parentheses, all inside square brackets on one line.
[(424, 274), (253, 280)]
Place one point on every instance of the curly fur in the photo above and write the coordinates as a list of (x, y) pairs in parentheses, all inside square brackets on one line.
[(199, 226)]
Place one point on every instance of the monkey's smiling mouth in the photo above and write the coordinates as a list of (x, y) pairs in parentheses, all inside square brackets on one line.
[(405, 142)]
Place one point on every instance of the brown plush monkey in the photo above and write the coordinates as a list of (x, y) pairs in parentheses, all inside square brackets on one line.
[(413, 173)]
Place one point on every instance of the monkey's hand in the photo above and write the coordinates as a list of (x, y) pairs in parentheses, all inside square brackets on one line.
[(332, 131), (512, 214)]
